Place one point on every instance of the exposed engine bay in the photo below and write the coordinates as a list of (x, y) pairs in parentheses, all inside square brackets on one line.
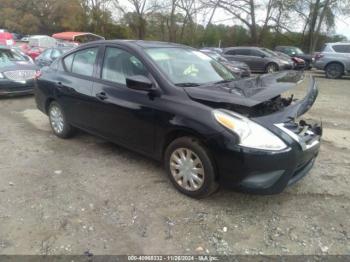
[(271, 106)]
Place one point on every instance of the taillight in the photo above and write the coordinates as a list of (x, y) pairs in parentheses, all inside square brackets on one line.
[(37, 74)]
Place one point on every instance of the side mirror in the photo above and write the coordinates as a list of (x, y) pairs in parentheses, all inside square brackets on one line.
[(263, 56), (139, 82)]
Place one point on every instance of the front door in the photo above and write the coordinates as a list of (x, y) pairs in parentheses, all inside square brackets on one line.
[(121, 114)]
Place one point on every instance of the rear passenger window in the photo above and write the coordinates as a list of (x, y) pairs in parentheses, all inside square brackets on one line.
[(230, 52), (255, 53), (243, 52), (119, 64), (81, 62), (342, 48)]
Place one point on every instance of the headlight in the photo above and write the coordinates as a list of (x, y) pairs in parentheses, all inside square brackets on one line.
[(251, 134)]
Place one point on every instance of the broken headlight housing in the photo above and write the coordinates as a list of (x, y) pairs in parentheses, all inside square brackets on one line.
[(251, 134)]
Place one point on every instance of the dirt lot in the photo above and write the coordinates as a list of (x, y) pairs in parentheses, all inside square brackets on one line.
[(69, 196)]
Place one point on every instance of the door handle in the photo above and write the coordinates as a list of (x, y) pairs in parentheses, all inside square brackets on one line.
[(102, 96)]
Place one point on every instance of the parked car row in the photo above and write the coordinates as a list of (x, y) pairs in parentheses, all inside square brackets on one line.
[(20, 61), (334, 58), (258, 59)]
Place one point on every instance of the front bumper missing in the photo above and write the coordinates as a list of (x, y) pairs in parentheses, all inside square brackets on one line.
[(264, 172), (307, 135)]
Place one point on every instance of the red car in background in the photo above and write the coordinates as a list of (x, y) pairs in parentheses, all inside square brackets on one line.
[(34, 52), (6, 39), (77, 37)]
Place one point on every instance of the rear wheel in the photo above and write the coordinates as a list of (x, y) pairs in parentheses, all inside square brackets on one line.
[(58, 122), (307, 65), (190, 167), (271, 68), (334, 70)]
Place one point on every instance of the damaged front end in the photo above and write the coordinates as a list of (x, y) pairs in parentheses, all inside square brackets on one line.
[(263, 100), (289, 119), (268, 100)]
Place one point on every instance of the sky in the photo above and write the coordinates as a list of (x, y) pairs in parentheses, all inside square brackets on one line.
[(342, 23), (343, 26)]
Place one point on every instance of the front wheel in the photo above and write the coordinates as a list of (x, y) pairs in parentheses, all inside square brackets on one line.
[(58, 121), (334, 70), (271, 68), (190, 167)]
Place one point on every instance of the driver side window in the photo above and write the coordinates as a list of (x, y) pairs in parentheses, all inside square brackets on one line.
[(119, 64)]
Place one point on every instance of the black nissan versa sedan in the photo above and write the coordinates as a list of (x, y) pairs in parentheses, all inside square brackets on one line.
[(178, 105)]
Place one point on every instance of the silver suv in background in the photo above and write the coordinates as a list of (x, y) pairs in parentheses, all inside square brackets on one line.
[(334, 59)]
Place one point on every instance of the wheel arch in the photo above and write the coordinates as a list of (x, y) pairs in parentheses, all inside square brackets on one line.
[(271, 63), (48, 101), (186, 132), (180, 132), (336, 62)]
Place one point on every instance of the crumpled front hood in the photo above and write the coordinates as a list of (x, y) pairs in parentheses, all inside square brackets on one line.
[(247, 92)]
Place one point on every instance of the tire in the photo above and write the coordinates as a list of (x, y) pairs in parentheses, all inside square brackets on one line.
[(334, 70), (195, 184), (308, 65), (271, 68), (58, 122)]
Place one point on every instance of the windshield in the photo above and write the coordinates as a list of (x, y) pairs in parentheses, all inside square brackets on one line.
[(298, 51), (9, 57), (270, 52), (188, 66)]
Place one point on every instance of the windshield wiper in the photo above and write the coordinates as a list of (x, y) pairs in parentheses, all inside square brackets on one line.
[(224, 81), (187, 84)]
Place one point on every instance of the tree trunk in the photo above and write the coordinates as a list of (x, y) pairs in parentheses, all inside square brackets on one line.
[(314, 16), (253, 29), (318, 29)]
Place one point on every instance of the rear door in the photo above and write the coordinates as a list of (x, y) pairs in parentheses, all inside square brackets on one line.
[(120, 114), (258, 60), (244, 55), (74, 85), (343, 52), (241, 54)]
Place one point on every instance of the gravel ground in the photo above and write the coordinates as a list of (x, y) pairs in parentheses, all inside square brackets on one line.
[(85, 194)]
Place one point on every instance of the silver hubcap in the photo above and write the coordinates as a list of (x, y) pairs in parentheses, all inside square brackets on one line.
[(56, 119), (271, 69), (187, 169)]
